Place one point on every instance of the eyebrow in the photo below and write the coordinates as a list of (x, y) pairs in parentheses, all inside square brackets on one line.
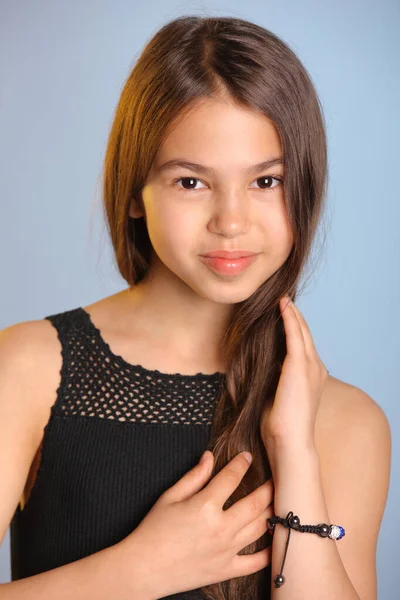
[(185, 164)]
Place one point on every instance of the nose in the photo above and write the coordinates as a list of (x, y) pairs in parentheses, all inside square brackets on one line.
[(230, 216)]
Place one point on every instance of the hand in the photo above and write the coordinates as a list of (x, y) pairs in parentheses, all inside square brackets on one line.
[(187, 540), (292, 416)]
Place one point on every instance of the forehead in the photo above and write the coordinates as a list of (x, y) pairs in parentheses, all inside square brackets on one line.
[(220, 133)]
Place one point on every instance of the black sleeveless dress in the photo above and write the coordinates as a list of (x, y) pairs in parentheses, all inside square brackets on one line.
[(118, 436)]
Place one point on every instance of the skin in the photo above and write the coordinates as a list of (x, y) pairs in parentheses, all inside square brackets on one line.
[(228, 210)]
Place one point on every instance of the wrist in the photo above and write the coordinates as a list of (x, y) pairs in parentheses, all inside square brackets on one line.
[(136, 571), (291, 457), (288, 446), (298, 484)]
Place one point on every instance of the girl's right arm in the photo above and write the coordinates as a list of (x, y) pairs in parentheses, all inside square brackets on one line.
[(30, 363), (100, 575)]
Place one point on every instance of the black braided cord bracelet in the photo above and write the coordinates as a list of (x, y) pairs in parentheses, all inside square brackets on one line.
[(291, 521)]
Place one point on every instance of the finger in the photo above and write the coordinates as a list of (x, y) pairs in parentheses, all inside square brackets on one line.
[(311, 350), (225, 482), (191, 482), (254, 530), (247, 509), (294, 337), (246, 564)]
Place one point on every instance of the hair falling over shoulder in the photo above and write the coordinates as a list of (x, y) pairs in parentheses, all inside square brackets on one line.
[(187, 60)]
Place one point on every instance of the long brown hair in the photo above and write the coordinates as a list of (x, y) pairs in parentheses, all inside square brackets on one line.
[(189, 59)]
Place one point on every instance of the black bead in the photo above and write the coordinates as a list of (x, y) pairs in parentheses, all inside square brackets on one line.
[(271, 524), (279, 580), (294, 520), (324, 530)]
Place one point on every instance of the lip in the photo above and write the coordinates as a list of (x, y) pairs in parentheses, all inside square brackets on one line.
[(228, 266), (229, 253)]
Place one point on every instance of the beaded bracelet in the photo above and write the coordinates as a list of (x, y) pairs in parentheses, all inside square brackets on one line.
[(335, 532)]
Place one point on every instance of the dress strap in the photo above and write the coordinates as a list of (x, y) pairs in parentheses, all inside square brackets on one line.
[(69, 325)]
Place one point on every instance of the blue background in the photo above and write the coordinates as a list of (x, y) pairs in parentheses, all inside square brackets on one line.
[(62, 67)]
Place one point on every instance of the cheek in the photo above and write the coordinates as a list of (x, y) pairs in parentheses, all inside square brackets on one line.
[(278, 232), (171, 231)]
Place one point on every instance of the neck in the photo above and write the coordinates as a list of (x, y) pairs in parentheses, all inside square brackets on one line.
[(174, 314)]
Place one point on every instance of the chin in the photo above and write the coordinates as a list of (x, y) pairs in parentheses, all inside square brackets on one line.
[(225, 292)]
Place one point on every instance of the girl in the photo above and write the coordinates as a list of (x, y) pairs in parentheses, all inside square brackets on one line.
[(214, 181)]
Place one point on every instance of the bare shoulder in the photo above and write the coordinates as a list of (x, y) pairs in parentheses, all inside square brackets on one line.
[(30, 363), (351, 421), (26, 337), (346, 407), (27, 345)]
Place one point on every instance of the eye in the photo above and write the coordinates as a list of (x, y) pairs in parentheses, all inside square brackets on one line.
[(270, 177), (187, 179), (191, 181)]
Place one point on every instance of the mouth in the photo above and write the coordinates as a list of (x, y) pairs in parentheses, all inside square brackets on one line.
[(229, 264), (229, 253)]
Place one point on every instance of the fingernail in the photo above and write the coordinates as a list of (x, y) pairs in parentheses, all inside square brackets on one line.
[(247, 456), (203, 457)]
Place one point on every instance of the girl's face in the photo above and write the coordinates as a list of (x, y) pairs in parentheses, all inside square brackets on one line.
[(220, 205)]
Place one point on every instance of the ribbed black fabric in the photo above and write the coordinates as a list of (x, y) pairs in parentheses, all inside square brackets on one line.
[(117, 437)]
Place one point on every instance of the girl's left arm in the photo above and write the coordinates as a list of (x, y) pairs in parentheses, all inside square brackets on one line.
[(334, 469), (345, 484)]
